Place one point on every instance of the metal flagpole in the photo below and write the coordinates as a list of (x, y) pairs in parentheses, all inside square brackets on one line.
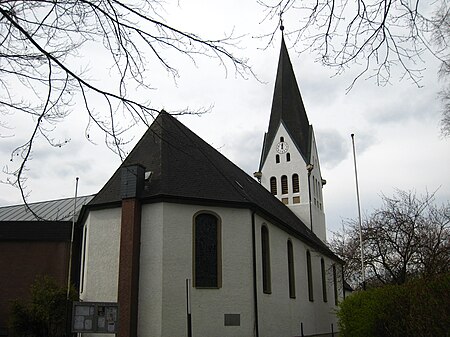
[(363, 274), (71, 239)]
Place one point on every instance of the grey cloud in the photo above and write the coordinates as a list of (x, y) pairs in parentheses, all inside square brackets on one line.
[(332, 147)]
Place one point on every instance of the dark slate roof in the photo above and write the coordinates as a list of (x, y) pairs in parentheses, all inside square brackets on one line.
[(187, 169), (287, 108), (53, 210)]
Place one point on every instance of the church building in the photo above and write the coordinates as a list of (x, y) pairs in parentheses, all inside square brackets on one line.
[(188, 244)]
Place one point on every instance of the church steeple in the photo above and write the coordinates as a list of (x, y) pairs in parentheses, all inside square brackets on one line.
[(287, 108), (289, 167)]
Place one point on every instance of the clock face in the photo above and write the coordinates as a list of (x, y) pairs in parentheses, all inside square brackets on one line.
[(282, 147)]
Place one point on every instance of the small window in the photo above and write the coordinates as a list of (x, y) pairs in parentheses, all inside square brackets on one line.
[(277, 159), (310, 280), (291, 270), (284, 185), (281, 139), (324, 280), (265, 256), (296, 200), (285, 201), (273, 185), (295, 183), (206, 251), (288, 156), (335, 286)]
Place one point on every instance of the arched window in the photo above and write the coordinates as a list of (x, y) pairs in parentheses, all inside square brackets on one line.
[(265, 257), (284, 185), (277, 159), (324, 280), (310, 280), (273, 185), (335, 286), (295, 183), (291, 270), (207, 251), (281, 139), (288, 156)]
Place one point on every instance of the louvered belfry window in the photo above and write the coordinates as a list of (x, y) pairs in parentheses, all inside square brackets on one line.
[(273, 185), (284, 185), (295, 183)]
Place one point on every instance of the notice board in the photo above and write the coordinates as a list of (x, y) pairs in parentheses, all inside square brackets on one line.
[(95, 317)]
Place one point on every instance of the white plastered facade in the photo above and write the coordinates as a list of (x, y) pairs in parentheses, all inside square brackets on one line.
[(166, 262), (310, 206)]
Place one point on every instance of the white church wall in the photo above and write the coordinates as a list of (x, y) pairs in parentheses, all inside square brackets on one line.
[(280, 315), (151, 270), (169, 244), (166, 263), (101, 262), (102, 255)]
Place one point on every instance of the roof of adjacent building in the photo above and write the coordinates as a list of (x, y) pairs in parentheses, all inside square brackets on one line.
[(48, 220), (184, 168), (287, 108), (53, 210)]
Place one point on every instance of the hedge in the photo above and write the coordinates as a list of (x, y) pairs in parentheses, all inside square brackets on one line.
[(418, 308)]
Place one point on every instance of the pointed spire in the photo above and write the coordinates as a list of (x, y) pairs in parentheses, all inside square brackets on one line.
[(287, 107)]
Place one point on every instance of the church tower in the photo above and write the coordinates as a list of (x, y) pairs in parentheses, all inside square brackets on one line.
[(289, 166)]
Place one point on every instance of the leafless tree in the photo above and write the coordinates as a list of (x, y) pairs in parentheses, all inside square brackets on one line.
[(408, 236), (41, 76), (374, 36)]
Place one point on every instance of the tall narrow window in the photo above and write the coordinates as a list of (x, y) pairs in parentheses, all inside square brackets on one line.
[(335, 286), (291, 270), (265, 255), (310, 280), (324, 280), (206, 251), (284, 185), (295, 183), (277, 158), (273, 185), (288, 156)]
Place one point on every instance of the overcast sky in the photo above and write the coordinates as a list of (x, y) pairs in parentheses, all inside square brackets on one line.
[(396, 127)]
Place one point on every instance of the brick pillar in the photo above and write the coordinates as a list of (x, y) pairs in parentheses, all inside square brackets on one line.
[(130, 237)]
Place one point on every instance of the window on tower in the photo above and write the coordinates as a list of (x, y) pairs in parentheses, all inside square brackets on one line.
[(284, 185), (273, 185), (288, 156), (281, 139), (295, 183), (277, 159)]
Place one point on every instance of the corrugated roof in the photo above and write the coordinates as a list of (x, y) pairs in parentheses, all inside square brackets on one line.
[(53, 210)]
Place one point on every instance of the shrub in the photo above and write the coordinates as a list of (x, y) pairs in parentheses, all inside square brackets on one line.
[(417, 308), (46, 314)]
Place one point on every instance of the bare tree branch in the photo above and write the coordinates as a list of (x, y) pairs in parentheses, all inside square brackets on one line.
[(40, 41)]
